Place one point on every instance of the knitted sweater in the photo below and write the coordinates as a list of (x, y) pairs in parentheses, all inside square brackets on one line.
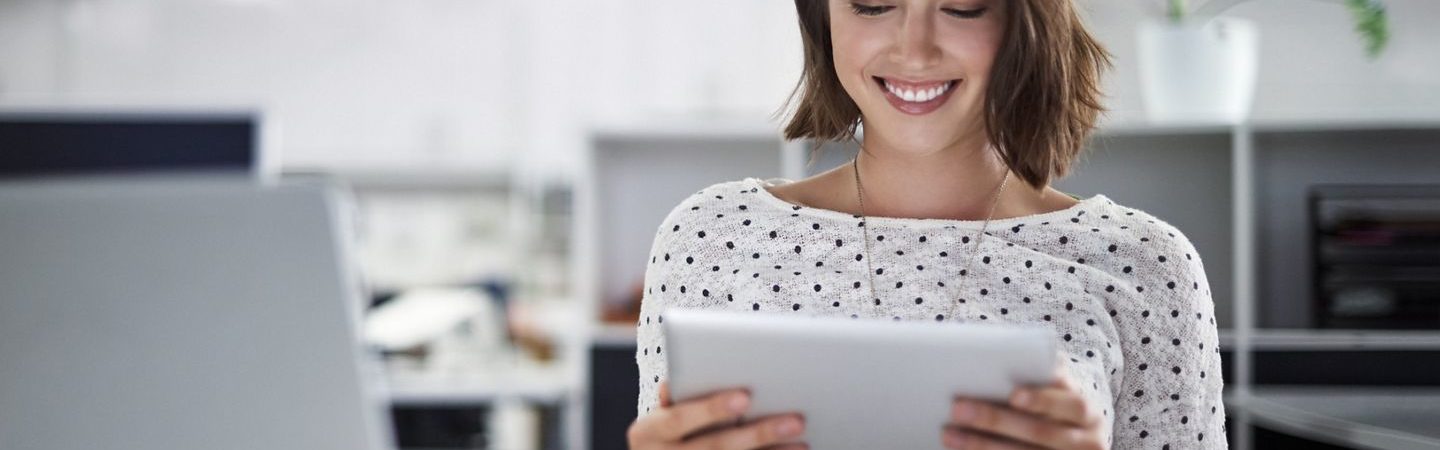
[(1124, 292)]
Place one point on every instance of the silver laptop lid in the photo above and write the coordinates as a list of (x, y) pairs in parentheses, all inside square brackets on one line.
[(180, 313)]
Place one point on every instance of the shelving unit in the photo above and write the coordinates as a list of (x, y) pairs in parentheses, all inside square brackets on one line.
[(633, 174), (524, 225), (1264, 186), (1274, 163)]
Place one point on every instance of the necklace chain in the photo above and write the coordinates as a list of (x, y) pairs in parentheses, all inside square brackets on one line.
[(860, 195)]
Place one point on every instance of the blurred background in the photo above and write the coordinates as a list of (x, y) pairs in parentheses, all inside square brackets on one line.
[(510, 161)]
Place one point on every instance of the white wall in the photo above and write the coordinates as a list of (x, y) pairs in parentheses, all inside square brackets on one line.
[(620, 62), (483, 83), (362, 82)]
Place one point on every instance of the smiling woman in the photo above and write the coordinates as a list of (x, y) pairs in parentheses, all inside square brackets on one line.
[(1030, 72), (955, 97)]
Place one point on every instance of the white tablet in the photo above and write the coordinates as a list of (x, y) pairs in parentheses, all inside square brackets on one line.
[(861, 383)]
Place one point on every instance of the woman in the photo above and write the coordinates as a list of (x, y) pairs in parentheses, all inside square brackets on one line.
[(969, 108)]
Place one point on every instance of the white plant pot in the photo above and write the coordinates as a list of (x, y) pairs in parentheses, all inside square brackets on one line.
[(1198, 71)]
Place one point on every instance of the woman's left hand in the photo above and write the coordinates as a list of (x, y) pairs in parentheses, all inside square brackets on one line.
[(1037, 417)]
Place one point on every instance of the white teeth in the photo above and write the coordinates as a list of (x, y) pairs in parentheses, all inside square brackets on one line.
[(920, 96)]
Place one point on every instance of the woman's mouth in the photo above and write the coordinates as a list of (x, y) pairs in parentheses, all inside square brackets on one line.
[(916, 98)]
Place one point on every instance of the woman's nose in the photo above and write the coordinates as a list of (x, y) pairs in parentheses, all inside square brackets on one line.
[(915, 48)]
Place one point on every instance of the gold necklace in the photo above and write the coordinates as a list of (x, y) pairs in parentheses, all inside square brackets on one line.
[(860, 194)]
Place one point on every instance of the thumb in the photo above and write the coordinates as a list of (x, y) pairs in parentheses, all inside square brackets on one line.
[(1059, 371), (665, 394)]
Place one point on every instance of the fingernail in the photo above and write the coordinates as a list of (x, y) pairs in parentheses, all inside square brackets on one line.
[(954, 439), (738, 403), (964, 411), (1022, 398), (788, 427)]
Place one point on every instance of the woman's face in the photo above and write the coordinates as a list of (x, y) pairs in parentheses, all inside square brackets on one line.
[(918, 69)]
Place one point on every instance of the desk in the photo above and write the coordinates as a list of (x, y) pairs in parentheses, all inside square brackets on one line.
[(1362, 417)]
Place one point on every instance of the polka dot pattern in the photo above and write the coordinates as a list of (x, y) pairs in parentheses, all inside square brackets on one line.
[(1124, 292)]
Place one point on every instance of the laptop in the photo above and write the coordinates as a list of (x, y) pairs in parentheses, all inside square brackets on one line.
[(181, 312)]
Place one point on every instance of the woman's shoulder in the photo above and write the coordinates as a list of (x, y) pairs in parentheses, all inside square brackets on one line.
[(1136, 237), (1145, 226), (707, 212), (717, 200)]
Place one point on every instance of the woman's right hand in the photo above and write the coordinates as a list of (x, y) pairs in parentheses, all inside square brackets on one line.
[(712, 423)]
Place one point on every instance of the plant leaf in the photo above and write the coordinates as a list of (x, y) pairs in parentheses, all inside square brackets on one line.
[(1177, 10), (1371, 24)]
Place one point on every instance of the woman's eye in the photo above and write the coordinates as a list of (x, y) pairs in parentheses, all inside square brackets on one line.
[(965, 13), (869, 10)]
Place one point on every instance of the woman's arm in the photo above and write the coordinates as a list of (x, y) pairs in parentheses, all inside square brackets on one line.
[(667, 273), (1170, 394), (649, 338)]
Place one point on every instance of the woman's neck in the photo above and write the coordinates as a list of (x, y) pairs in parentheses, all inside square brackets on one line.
[(958, 183)]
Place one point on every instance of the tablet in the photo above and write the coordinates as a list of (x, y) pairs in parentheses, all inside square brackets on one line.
[(861, 383)]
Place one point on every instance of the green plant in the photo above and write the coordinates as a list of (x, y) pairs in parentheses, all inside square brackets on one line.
[(1371, 23)]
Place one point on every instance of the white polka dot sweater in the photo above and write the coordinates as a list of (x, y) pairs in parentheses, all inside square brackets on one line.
[(1125, 292)]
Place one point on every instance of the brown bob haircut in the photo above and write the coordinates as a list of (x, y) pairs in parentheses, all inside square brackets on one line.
[(1042, 101)]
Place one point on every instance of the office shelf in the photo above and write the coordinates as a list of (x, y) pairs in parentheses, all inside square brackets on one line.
[(1141, 127), (414, 176), (532, 384), (613, 336), (687, 128), (1303, 339)]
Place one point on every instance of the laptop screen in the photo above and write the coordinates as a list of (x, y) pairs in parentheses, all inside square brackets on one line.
[(36, 144)]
